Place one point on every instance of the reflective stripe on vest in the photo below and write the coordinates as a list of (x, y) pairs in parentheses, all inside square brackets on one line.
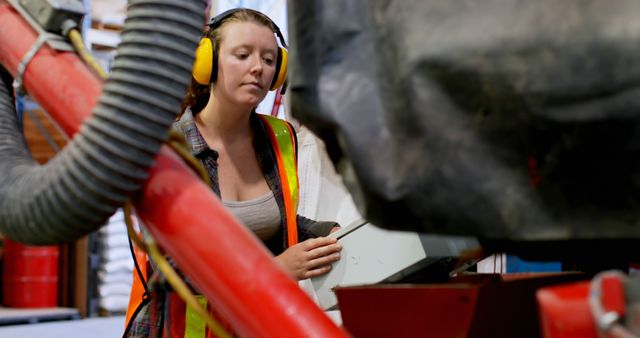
[(282, 139), (195, 326)]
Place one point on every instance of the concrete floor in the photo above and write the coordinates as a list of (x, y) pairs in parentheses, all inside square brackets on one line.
[(97, 327), (100, 327)]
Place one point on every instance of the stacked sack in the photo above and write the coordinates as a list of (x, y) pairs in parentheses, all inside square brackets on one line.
[(116, 265)]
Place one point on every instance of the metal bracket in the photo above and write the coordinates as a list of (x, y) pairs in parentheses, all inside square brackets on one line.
[(54, 41)]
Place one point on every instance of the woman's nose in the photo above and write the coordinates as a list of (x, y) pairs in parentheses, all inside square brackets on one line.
[(256, 64)]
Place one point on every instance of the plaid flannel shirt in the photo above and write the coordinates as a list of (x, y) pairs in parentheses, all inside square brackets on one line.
[(266, 158)]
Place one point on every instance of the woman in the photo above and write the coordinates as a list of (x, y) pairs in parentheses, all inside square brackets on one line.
[(230, 139), (242, 62)]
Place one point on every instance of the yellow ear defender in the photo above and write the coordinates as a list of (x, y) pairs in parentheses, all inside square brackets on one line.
[(281, 70), (205, 67)]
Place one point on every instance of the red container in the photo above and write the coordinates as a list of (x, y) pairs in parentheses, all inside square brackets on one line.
[(30, 275), (473, 306)]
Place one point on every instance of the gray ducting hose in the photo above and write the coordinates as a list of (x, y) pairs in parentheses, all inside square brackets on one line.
[(77, 191)]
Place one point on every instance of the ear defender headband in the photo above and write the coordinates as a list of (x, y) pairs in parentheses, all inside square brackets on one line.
[(205, 68)]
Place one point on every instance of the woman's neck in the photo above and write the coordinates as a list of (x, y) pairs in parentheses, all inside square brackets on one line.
[(224, 122)]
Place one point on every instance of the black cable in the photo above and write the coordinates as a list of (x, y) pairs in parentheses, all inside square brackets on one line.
[(146, 297), (137, 266)]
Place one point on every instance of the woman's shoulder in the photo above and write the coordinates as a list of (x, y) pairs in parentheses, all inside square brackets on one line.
[(177, 127), (185, 122)]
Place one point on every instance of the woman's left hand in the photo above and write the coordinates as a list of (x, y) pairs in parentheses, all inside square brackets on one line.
[(310, 258)]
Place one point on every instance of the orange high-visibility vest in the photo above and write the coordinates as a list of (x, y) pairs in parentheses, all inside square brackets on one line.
[(282, 139), (184, 321)]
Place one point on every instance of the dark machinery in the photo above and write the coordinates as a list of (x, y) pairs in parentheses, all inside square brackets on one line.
[(516, 122)]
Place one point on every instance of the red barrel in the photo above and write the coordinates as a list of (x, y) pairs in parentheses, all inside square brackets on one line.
[(30, 275)]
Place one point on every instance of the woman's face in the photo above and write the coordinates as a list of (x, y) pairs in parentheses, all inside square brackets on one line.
[(246, 63)]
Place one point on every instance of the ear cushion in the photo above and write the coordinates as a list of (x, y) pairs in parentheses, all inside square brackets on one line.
[(281, 69), (203, 65)]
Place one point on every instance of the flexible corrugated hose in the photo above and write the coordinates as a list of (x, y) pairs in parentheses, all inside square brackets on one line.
[(78, 190)]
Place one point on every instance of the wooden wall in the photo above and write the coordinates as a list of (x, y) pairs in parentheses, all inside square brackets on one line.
[(43, 136)]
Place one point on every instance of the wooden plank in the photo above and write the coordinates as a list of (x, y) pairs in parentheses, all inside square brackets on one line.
[(39, 131), (81, 280), (64, 277)]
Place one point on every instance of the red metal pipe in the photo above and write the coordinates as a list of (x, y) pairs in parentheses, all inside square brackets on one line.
[(565, 312), (225, 261)]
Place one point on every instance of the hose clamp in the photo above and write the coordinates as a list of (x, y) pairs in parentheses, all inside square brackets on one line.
[(22, 67)]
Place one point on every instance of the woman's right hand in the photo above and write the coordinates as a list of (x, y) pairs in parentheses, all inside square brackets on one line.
[(310, 258)]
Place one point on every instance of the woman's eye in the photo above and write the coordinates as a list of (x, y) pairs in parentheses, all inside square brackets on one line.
[(268, 61), (243, 56)]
